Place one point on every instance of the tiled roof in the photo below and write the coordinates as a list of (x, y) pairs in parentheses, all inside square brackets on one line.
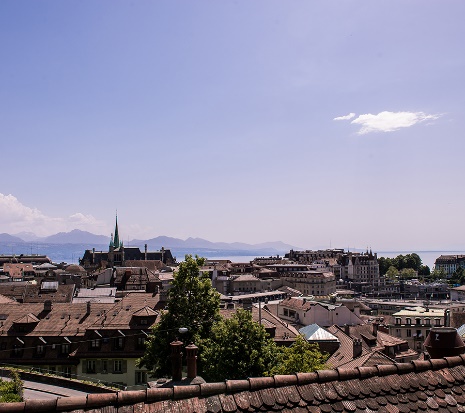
[(418, 386)]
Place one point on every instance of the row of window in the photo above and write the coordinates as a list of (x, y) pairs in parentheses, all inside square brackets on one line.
[(418, 321), (64, 348), (105, 366)]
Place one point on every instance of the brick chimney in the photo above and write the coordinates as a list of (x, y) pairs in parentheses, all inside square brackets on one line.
[(191, 355), (176, 360), (48, 305), (357, 347), (375, 328)]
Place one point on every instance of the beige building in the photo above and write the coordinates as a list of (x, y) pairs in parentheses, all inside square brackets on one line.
[(413, 324), (316, 283)]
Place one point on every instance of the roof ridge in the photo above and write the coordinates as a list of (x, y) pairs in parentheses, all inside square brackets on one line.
[(230, 387)]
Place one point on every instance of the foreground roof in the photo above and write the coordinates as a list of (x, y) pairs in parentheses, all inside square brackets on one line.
[(419, 386)]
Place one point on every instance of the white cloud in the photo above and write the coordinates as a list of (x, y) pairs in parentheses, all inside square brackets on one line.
[(390, 121), (16, 217), (346, 117)]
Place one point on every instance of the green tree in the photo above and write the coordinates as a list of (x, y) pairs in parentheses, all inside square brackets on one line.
[(408, 273), (301, 357), (11, 391), (437, 274), (413, 261), (237, 348), (193, 304), (384, 264), (424, 270), (392, 273)]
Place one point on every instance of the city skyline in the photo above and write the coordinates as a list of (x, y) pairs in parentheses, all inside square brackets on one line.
[(312, 123)]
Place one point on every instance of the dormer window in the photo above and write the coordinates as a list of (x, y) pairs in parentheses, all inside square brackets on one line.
[(118, 343), (64, 348), (95, 344), (141, 342)]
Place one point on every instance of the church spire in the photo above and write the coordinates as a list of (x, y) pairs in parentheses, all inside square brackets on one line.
[(116, 242)]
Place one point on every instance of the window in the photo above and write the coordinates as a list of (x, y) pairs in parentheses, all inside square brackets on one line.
[(95, 344), (91, 366), (117, 366), (65, 348), (118, 343), (418, 321), (437, 321), (143, 322), (66, 371), (17, 350), (141, 377), (140, 342), (409, 333), (104, 366), (419, 334), (428, 321), (408, 321), (397, 320), (40, 349)]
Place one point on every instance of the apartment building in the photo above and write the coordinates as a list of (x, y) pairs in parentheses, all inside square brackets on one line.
[(413, 324)]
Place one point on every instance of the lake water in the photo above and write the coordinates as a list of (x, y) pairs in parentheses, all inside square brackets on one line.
[(427, 257)]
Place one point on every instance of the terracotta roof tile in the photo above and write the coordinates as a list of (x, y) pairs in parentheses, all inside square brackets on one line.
[(399, 388)]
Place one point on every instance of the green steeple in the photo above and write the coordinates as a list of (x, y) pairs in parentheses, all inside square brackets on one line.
[(116, 242)]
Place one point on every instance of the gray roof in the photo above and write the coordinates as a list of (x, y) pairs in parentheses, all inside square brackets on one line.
[(314, 332)]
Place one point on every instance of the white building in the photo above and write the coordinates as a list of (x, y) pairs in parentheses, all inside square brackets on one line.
[(301, 311)]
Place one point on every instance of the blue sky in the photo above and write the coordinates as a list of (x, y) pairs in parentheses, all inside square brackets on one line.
[(316, 123)]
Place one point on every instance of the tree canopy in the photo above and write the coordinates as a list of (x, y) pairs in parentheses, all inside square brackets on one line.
[(401, 262), (193, 304), (301, 357), (237, 348)]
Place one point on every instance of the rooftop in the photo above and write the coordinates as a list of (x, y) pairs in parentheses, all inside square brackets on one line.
[(418, 386)]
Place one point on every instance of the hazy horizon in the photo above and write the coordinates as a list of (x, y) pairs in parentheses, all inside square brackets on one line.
[(311, 123)]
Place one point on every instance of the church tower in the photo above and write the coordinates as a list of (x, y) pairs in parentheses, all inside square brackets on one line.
[(115, 247), (116, 241)]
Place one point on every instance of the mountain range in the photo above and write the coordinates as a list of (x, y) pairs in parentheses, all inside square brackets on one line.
[(92, 240)]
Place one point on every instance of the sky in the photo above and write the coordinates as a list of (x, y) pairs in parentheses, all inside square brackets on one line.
[(317, 123)]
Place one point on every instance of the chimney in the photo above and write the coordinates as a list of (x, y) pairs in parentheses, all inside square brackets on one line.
[(347, 329), (247, 304), (145, 252), (191, 355), (375, 328), (48, 305), (88, 308), (357, 346), (444, 342), (163, 295), (176, 360)]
